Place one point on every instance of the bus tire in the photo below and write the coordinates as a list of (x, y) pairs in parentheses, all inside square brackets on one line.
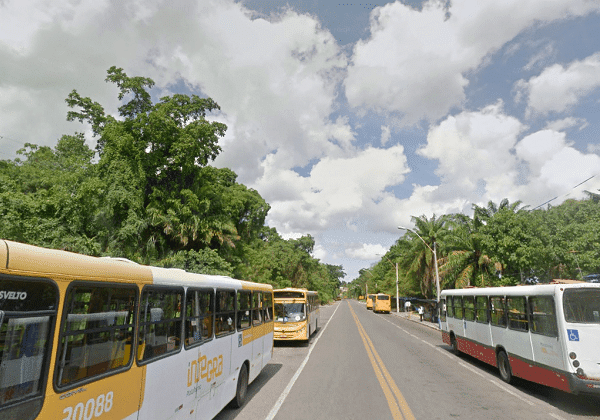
[(454, 344), (504, 367), (242, 388)]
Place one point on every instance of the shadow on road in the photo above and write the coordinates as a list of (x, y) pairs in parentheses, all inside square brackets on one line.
[(254, 388), (577, 405)]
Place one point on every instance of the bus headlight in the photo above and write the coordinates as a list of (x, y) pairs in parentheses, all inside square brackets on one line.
[(576, 363), (572, 355)]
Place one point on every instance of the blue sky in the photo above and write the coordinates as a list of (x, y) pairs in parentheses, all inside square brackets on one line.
[(348, 118)]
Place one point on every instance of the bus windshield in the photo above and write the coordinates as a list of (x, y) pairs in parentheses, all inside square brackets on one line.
[(26, 311), (289, 312), (582, 306)]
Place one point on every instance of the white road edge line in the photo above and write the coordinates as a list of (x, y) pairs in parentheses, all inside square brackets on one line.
[(289, 386)]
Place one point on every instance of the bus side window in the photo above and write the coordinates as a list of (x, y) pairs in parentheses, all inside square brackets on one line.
[(458, 308), (96, 335), (497, 312), (268, 306), (244, 309), (481, 309), (442, 309), (257, 308), (469, 303), (199, 310), (516, 309), (450, 307), (543, 315), (225, 312), (160, 322)]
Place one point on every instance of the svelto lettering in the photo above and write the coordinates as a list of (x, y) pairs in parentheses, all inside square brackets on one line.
[(204, 368), (92, 408), (11, 295)]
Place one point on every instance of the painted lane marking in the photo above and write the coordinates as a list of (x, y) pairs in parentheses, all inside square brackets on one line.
[(398, 405), (289, 386)]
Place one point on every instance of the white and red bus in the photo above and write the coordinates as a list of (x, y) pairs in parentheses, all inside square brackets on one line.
[(84, 338), (548, 334)]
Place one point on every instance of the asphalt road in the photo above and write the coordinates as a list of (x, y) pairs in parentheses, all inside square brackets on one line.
[(361, 365)]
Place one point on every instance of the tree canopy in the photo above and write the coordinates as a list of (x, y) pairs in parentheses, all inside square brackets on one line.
[(149, 194)]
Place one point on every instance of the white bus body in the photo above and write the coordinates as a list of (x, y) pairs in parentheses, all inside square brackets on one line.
[(548, 334)]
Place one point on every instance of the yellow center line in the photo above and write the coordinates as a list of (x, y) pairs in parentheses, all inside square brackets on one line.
[(387, 383)]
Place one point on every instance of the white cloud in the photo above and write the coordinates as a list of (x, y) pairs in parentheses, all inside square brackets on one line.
[(566, 123), (367, 252), (385, 134), (559, 88), (337, 188), (415, 61)]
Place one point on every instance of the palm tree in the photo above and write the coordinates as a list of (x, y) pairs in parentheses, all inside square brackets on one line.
[(483, 214), (466, 263), (419, 260)]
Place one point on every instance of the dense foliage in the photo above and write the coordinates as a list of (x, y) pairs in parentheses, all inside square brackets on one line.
[(148, 194), (503, 244)]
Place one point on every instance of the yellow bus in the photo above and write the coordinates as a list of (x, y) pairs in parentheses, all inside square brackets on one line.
[(296, 313), (84, 338), (370, 300), (382, 303)]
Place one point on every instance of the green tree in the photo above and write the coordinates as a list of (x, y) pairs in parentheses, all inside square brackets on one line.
[(466, 262), (419, 261)]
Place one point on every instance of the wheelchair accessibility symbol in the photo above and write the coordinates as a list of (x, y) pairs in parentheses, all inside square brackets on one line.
[(573, 335)]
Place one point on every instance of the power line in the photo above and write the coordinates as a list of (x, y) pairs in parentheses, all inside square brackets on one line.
[(567, 193)]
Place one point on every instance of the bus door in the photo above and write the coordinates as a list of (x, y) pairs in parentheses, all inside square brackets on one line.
[(257, 335), (27, 317), (93, 371), (547, 348)]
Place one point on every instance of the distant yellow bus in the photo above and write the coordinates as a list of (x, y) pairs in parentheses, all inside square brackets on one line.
[(370, 300), (382, 303), (296, 313)]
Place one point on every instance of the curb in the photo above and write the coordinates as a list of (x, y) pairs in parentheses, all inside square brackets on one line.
[(416, 320)]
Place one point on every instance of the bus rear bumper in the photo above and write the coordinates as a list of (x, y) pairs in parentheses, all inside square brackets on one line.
[(581, 385)]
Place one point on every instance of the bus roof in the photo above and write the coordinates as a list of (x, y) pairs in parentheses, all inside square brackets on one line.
[(17, 258), (547, 289)]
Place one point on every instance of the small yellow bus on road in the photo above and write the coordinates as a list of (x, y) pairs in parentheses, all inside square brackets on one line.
[(370, 300), (382, 303), (296, 313)]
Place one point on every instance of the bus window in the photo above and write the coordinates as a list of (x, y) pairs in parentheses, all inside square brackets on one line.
[(498, 315), (450, 306), (458, 308), (27, 313), (469, 304), (244, 309), (160, 323), (97, 331), (442, 309), (481, 309), (256, 308), (268, 306), (225, 312), (516, 309), (198, 316), (543, 316), (582, 305)]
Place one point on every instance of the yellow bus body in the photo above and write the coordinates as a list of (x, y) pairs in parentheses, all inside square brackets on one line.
[(101, 371), (296, 314), (382, 303), (370, 300)]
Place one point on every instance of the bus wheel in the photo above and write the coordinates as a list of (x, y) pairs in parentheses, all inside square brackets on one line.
[(242, 388), (504, 367), (454, 345)]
